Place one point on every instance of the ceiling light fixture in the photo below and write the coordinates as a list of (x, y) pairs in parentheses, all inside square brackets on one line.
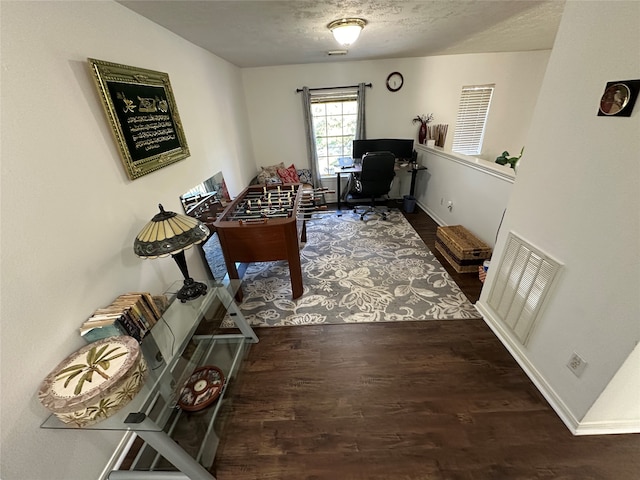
[(346, 30)]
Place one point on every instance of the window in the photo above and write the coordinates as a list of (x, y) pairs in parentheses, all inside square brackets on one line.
[(334, 124), (472, 119)]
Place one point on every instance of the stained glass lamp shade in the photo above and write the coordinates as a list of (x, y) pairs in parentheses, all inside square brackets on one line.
[(169, 233)]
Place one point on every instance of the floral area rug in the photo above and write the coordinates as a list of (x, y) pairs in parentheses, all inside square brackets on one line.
[(355, 271)]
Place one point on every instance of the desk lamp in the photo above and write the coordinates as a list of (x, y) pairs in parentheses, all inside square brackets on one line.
[(169, 233)]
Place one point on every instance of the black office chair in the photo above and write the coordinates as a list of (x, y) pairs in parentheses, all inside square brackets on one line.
[(373, 183)]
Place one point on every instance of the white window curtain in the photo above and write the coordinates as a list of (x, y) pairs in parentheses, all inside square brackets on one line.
[(472, 119)]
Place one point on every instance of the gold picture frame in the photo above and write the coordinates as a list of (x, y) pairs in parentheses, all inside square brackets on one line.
[(143, 116)]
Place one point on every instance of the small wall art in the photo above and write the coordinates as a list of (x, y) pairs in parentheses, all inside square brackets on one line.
[(143, 116), (618, 98)]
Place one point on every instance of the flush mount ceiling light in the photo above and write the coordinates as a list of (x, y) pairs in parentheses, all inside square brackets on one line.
[(346, 30)]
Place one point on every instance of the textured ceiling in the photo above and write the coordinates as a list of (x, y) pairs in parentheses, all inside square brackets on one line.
[(263, 33)]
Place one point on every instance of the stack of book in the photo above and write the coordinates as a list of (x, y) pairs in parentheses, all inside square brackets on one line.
[(132, 314)]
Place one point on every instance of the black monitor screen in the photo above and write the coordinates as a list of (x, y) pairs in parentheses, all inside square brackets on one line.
[(400, 147)]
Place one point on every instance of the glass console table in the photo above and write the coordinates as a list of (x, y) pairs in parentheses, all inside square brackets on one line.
[(180, 342)]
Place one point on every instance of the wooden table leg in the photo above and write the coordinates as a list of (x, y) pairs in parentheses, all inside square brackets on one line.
[(338, 194), (293, 258), (303, 235), (233, 274), (295, 272)]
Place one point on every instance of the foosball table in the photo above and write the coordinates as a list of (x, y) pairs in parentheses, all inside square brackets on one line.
[(263, 224)]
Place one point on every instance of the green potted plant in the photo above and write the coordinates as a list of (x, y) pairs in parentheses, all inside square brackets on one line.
[(504, 159)]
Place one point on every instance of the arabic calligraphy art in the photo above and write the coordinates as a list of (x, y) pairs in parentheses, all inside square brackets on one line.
[(143, 115)]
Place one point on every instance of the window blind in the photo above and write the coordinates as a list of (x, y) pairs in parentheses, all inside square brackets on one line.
[(333, 96), (472, 119)]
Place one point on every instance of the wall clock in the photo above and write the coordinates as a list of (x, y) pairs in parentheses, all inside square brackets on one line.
[(395, 81)]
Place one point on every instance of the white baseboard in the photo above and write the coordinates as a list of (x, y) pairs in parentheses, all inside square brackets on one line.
[(615, 427), (576, 427), (432, 214), (514, 348)]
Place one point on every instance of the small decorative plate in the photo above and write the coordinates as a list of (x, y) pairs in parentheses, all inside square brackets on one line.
[(202, 389), (615, 99), (94, 382)]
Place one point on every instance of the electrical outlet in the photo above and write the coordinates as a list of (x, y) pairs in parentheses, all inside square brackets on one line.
[(576, 364)]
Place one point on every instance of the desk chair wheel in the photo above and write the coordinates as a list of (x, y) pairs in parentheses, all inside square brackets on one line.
[(371, 209)]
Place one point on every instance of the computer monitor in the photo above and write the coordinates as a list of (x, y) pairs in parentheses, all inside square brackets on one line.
[(400, 147)]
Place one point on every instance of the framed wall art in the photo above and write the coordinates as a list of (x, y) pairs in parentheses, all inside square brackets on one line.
[(618, 98), (143, 116)]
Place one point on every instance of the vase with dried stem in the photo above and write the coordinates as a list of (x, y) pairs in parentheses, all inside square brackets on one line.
[(424, 121)]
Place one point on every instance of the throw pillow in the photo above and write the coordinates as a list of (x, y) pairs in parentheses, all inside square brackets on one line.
[(305, 176), (267, 174), (289, 175)]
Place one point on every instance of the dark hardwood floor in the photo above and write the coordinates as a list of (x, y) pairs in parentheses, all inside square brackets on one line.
[(432, 400), (426, 227)]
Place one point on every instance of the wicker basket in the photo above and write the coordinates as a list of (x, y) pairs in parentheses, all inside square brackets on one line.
[(463, 250)]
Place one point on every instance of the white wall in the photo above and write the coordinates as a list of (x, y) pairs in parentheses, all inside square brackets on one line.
[(69, 213), (431, 85), (576, 198), (618, 408), (478, 191)]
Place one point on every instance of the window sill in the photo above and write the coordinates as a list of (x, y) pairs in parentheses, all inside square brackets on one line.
[(491, 168)]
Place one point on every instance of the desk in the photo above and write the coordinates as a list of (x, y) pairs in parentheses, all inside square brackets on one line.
[(414, 168)]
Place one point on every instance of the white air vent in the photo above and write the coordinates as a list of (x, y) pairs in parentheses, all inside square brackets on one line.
[(522, 282)]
